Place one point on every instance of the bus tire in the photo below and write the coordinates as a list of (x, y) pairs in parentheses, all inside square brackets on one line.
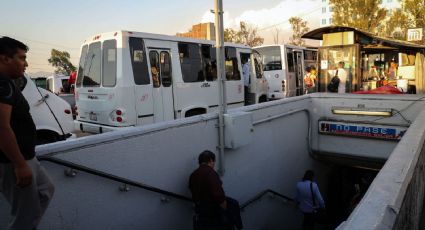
[(263, 98)]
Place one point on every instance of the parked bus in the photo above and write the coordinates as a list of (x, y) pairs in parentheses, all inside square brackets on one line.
[(133, 78), (284, 67)]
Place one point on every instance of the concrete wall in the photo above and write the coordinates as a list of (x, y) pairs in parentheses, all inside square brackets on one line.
[(395, 198), (163, 155)]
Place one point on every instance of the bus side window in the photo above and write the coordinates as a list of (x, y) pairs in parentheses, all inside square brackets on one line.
[(109, 63), (165, 68), (138, 61), (209, 62), (290, 60), (191, 63), (154, 59), (81, 66), (231, 64)]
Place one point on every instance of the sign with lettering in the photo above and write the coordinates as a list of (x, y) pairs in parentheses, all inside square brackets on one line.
[(414, 34), (362, 130)]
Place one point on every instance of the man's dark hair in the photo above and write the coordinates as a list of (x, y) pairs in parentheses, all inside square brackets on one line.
[(206, 156), (308, 69), (308, 175), (10, 46)]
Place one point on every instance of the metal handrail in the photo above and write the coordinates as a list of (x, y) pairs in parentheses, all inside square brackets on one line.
[(112, 177), (148, 187), (261, 194)]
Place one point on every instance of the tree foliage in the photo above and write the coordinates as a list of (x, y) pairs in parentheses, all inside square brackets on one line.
[(60, 60), (299, 27), (397, 25), (415, 10), (247, 34), (361, 14)]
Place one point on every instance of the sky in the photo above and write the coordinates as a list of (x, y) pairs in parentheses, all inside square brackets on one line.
[(64, 25)]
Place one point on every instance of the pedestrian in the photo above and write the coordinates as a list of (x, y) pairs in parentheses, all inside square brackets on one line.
[(341, 74), (246, 78), (309, 80), (313, 76), (214, 211), (23, 182), (309, 200)]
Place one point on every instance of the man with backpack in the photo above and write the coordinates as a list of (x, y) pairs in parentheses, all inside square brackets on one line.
[(339, 79)]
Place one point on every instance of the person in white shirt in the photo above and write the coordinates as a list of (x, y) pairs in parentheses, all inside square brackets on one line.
[(342, 75), (246, 77), (245, 72)]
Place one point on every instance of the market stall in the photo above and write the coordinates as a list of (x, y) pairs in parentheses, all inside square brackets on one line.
[(368, 61)]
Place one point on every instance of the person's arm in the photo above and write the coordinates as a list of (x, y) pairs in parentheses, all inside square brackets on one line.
[(10, 148), (216, 190), (318, 196)]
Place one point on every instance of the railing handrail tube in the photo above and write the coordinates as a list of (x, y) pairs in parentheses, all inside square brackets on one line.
[(112, 177)]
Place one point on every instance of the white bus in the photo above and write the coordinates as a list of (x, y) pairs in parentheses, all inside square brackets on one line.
[(284, 67), (133, 78), (52, 115)]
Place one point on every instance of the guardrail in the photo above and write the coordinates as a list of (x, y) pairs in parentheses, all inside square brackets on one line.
[(113, 177), (148, 187), (261, 194)]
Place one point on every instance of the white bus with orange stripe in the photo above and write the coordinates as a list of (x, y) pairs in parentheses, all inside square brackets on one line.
[(134, 78)]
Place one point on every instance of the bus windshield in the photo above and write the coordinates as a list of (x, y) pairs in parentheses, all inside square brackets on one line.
[(271, 58)]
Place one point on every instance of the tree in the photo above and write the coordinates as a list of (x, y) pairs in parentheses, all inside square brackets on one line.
[(397, 25), (60, 60), (276, 34), (299, 27), (361, 14), (246, 35), (415, 10), (231, 35)]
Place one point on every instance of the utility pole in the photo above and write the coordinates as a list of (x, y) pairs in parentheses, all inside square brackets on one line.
[(221, 77)]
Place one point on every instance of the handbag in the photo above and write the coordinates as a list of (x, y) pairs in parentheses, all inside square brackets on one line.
[(333, 85), (319, 214)]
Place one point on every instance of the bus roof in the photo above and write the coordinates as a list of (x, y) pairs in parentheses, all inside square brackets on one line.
[(282, 45), (124, 33)]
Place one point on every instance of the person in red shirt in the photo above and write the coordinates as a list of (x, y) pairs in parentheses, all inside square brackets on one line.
[(71, 81)]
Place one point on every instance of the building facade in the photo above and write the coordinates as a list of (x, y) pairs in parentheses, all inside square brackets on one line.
[(200, 31), (327, 11)]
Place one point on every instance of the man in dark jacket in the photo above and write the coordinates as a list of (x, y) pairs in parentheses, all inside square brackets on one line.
[(214, 210), (23, 182)]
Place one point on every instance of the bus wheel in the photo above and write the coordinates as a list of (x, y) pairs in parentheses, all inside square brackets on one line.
[(46, 136), (194, 112), (262, 99)]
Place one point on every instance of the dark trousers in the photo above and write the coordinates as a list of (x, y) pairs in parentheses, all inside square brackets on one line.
[(233, 213), (210, 218), (308, 223)]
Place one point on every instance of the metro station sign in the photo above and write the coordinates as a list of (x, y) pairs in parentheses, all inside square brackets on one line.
[(362, 130), (414, 34)]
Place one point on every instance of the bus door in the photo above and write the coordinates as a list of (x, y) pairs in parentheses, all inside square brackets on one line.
[(298, 64), (162, 92), (291, 80)]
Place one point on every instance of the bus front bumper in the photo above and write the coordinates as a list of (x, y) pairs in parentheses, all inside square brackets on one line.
[(93, 128)]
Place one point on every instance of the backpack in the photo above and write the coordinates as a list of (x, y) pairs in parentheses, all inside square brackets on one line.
[(333, 85)]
